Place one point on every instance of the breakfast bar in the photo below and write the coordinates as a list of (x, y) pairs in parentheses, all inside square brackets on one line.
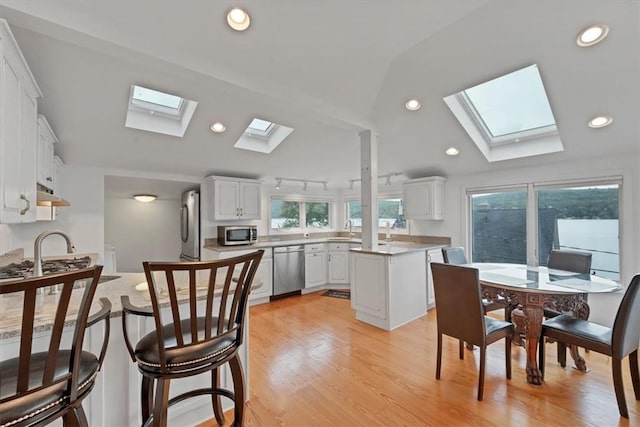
[(115, 399)]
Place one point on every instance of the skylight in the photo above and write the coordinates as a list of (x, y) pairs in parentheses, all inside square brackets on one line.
[(142, 95), (160, 112), (259, 125), (513, 103), (511, 109), (262, 136)]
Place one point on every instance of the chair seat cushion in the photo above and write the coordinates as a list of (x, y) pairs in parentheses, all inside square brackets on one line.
[(583, 333), (186, 358), (47, 400), (497, 329)]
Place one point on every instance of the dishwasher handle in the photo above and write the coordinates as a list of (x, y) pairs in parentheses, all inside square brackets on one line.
[(288, 249)]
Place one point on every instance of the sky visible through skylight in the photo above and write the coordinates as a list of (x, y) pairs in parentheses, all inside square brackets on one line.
[(259, 125), (513, 103), (154, 97)]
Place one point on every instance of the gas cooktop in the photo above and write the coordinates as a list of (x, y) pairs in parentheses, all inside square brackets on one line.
[(25, 268)]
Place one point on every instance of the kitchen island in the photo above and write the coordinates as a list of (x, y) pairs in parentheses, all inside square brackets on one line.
[(389, 284), (115, 400)]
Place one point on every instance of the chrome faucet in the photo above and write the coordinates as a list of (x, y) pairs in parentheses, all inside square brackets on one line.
[(349, 224), (37, 249)]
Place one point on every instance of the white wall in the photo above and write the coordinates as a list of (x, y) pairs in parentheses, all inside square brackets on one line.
[(142, 231)]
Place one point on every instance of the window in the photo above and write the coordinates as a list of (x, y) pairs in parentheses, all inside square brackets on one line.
[(262, 136), (290, 214), (571, 216), (390, 212), (583, 219), (511, 105), (508, 117), (158, 112), (499, 227)]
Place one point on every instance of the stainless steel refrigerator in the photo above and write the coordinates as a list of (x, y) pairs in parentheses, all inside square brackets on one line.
[(190, 226)]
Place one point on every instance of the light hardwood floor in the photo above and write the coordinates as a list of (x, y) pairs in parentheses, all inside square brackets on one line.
[(313, 364)]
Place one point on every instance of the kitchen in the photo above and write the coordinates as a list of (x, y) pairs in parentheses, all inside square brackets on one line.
[(102, 157)]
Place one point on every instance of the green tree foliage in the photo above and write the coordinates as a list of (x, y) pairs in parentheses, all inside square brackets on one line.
[(583, 203), (317, 214)]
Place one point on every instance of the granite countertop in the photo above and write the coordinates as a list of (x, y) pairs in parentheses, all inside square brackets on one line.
[(124, 284), (394, 247), (397, 248)]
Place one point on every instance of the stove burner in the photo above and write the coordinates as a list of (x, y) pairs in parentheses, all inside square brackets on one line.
[(25, 268)]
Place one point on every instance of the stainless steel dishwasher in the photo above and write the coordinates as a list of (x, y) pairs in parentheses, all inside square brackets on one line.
[(288, 270)]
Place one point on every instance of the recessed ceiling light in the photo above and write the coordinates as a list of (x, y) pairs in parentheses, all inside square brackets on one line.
[(238, 19), (600, 122), (218, 127), (592, 35), (145, 198), (452, 151), (412, 105)]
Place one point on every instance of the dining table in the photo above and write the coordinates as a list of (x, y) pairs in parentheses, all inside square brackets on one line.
[(528, 290)]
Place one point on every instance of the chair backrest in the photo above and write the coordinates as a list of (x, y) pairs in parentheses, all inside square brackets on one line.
[(70, 305), (454, 255), (229, 279), (459, 308), (578, 262), (626, 326)]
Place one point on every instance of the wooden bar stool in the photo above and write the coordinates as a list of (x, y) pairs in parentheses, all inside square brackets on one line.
[(197, 340), (37, 388)]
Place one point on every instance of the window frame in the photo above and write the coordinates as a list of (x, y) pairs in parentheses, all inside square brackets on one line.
[(142, 105), (302, 218), (532, 206), (381, 196)]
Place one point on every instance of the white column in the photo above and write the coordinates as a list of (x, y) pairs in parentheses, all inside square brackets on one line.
[(369, 191)]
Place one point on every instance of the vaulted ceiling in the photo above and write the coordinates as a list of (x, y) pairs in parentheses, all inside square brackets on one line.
[(329, 69)]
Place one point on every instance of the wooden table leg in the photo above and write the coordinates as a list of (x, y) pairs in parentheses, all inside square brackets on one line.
[(534, 314)]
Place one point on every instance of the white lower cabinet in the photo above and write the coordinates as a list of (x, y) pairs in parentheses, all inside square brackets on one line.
[(338, 263), (433, 255), (315, 265), (388, 291), (264, 273)]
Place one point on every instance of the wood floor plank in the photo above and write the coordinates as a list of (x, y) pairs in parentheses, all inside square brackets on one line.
[(313, 364)]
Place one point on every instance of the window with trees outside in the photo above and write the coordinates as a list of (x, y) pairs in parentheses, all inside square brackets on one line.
[(293, 214), (580, 216), (390, 212)]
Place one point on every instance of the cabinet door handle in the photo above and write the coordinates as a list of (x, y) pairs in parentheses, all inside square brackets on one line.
[(49, 179), (24, 211), (241, 212)]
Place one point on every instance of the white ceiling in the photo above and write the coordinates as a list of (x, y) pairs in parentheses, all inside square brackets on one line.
[(329, 69)]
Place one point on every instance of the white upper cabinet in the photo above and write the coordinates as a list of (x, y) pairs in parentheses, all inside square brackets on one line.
[(19, 95), (46, 167), (233, 198), (424, 198)]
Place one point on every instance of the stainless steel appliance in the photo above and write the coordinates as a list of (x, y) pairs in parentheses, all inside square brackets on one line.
[(190, 226), (288, 270), (229, 235)]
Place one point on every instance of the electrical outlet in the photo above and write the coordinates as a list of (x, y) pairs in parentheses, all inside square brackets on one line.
[(306, 234)]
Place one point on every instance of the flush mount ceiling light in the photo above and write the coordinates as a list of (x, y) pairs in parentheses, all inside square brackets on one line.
[(145, 198), (218, 127), (452, 151), (238, 19), (600, 122), (592, 35), (412, 105)]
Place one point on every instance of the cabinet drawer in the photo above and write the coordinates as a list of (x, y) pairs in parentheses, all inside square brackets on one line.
[(338, 247), (314, 248)]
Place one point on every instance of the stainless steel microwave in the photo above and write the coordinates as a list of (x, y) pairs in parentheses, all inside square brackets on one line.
[(229, 235)]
